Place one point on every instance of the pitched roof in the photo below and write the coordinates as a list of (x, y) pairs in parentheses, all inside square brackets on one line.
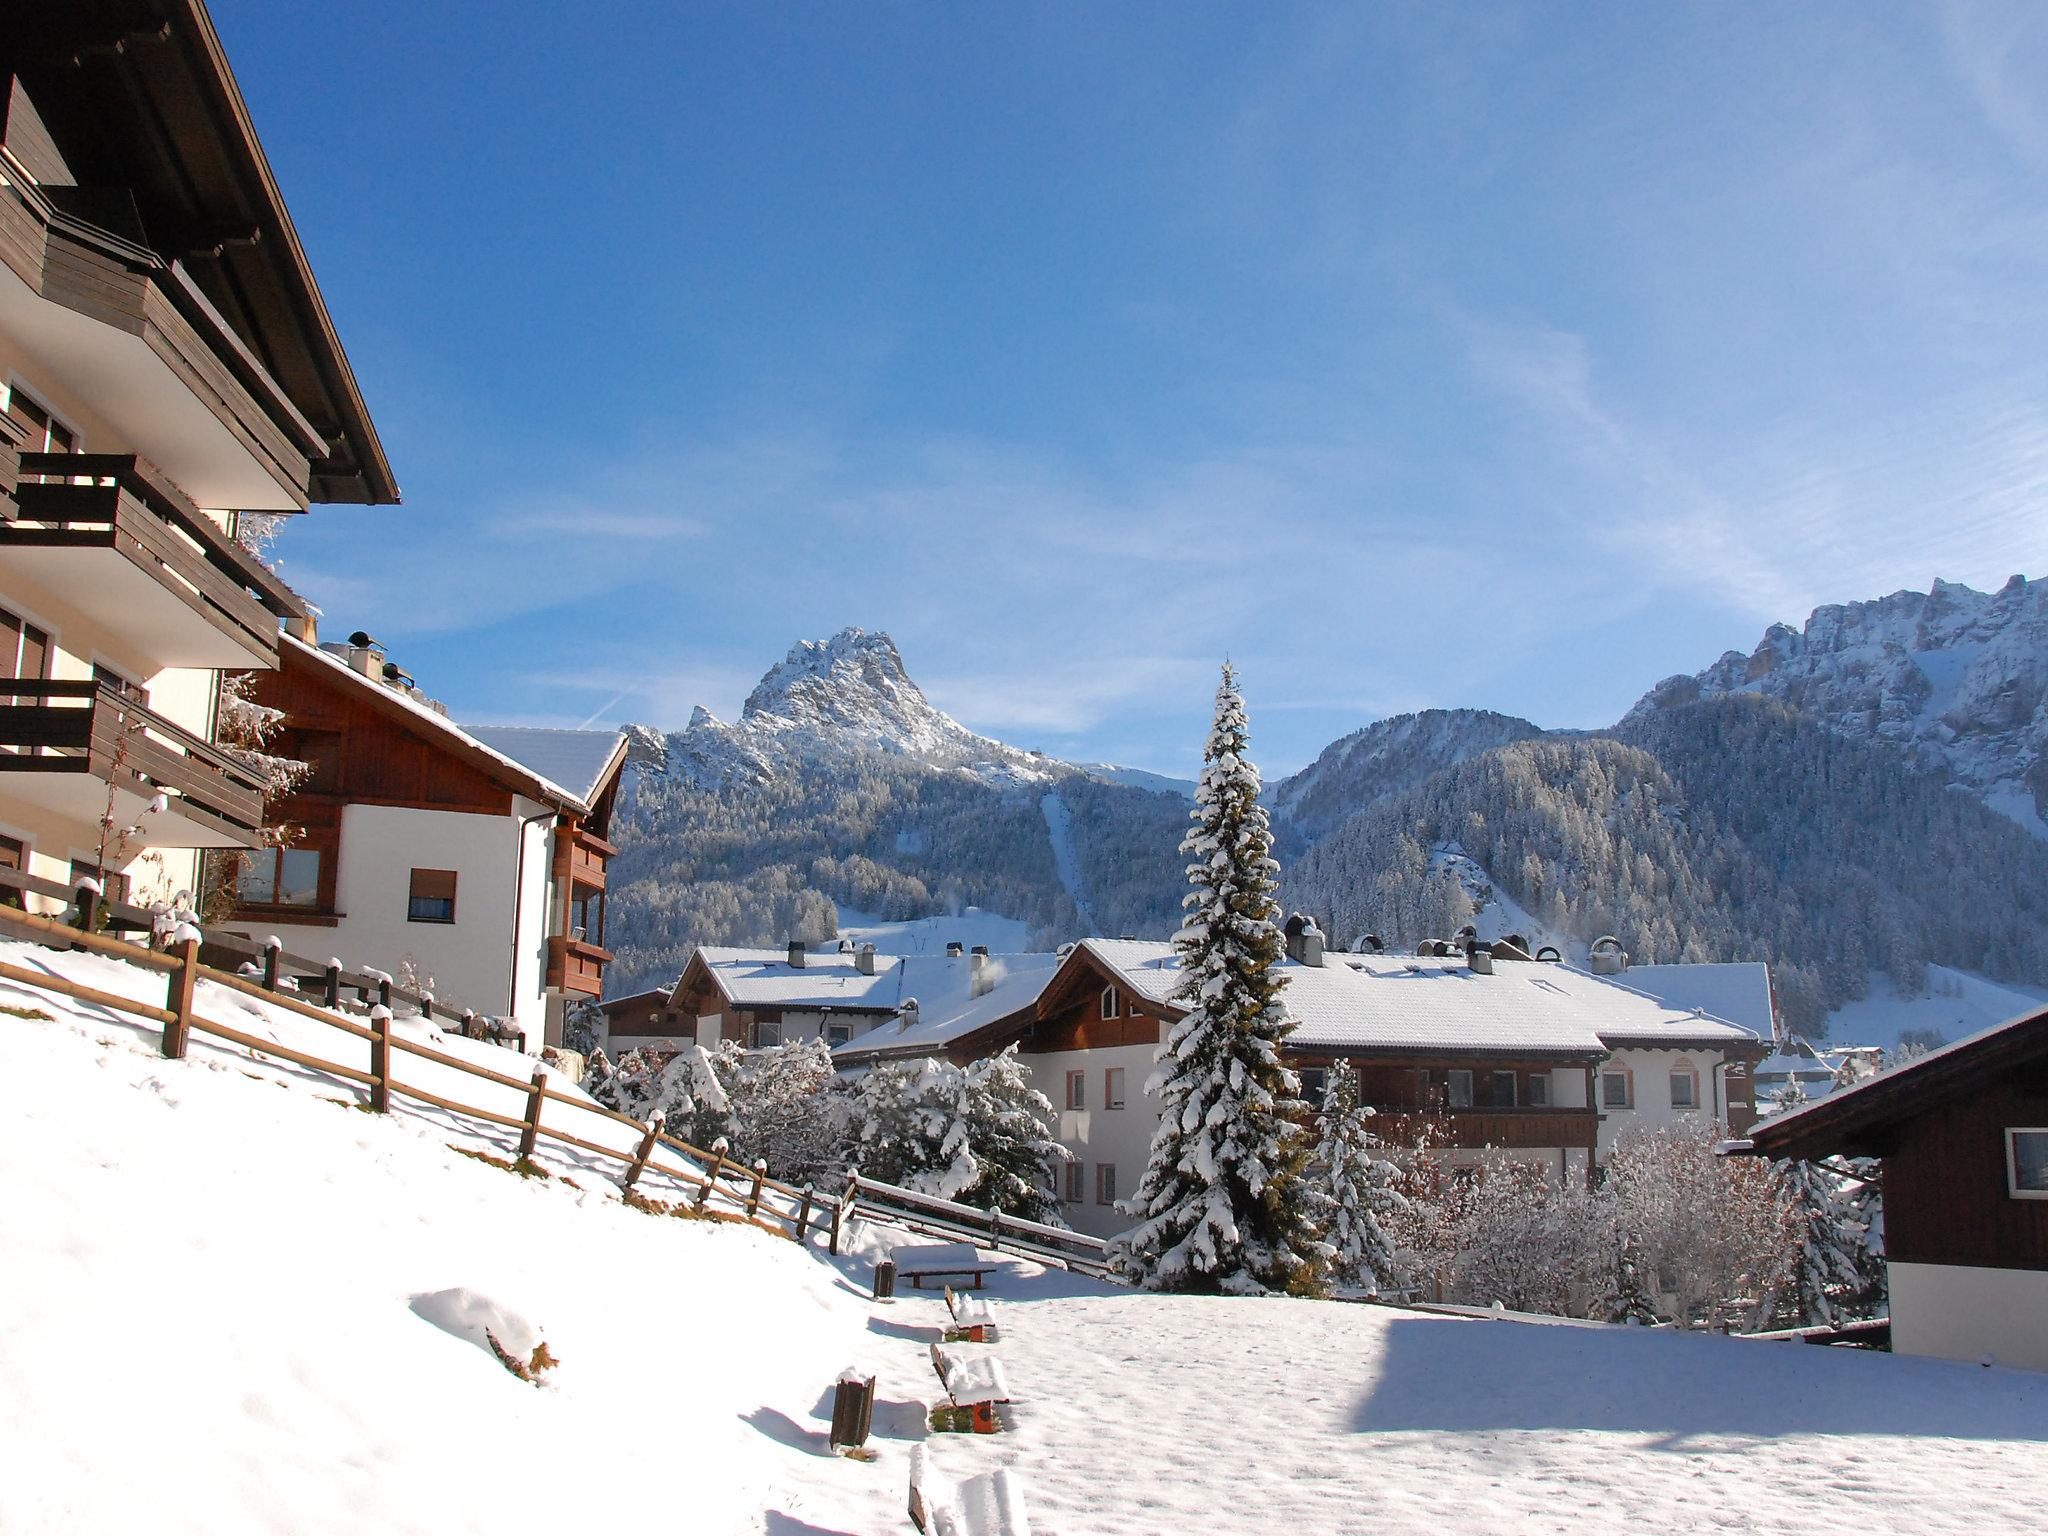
[(1738, 991), (579, 761), (1398, 1003), (1856, 1119)]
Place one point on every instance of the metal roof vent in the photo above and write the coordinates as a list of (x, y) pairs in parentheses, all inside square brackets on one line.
[(1607, 957), (796, 954)]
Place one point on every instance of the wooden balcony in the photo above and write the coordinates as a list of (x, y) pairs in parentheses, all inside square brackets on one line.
[(125, 548), (576, 967), (1526, 1127), (64, 746), (588, 854)]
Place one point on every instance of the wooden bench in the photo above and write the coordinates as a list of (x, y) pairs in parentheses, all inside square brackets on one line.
[(974, 1319), (989, 1505), (938, 1261), (974, 1384)]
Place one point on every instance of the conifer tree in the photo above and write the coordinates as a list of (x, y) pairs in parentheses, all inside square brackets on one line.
[(1223, 1204), (1359, 1184), (1010, 1129), (1826, 1238)]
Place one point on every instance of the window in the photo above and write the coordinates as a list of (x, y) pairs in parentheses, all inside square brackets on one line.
[(1685, 1089), (1077, 1090), (838, 1032), (113, 887), (767, 1033), (279, 877), (586, 916), (1112, 1003), (432, 896), (1315, 1082), (44, 432), (1504, 1090), (14, 856), (1077, 1182), (1105, 1183), (1614, 1090), (2026, 1163), (24, 652), (1539, 1090), (1460, 1087), (1113, 1088), (121, 684)]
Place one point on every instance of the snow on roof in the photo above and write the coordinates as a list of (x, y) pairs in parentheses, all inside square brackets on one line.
[(577, 759), (831, 980), (1399, 1002), (436, 723), (1019, 981), (1738, 991)]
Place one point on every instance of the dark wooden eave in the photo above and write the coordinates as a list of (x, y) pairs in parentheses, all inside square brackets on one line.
[(139, 97), (1862, 1120)]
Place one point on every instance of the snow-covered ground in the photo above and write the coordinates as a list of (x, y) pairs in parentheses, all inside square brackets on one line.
[(930, 935), (1955, 1004), (1059, 828), (229, 1303)]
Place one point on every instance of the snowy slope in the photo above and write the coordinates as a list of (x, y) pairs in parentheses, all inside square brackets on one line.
[(225, 1311), (1955, 1004), (1059, 827), (930, 935), (1954, 678)]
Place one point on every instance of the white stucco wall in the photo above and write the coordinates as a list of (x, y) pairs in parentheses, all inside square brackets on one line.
[(1097, 1135), (1958, 1312), (471, 959), (1652, 1108)]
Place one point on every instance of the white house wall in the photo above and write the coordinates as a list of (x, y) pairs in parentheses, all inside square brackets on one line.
[(1652, 1109), (1096, 1135), (471, 959), (1961, 1312)]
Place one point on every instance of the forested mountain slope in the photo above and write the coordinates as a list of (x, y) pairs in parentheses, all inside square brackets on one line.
[(1731, 828)]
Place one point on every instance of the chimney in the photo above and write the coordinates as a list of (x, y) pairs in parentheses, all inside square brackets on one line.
[(796, 954), (1607, 957), (303, 627), (907, 1015), (864, 960), (1480, 957), (954, 949), (978, 979), (979, 949), (366, 656), (1304, 939)]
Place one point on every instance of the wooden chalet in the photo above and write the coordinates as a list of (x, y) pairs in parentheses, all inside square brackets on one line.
[(419, 839), (1962, 1138)]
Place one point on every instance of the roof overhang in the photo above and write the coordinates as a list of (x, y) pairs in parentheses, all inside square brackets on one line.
[(138, 95)]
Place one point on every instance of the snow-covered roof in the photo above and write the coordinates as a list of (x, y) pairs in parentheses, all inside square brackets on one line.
[(832, 981), (580, 761), (1018, 983), (1738, 991), (435, 724), (1400, 1003)]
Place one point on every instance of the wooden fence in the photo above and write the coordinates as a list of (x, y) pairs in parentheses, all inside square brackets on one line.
[(985, 1229), (746, 1194)]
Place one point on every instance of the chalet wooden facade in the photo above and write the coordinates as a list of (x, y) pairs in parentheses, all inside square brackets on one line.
[(1962, 1138), (168, 366), (419, 839)]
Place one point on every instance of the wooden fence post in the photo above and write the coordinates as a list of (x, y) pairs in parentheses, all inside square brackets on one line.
[(380, 1060), (86, 897), (333, 992), (843, 1210), (803, 1215), (754, 1196), (536, 1095), (384, 990), (179, 1002), (639, 1164), (272, 951), (710, 1178)]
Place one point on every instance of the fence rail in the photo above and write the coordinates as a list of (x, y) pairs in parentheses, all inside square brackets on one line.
[(752, 1196), (985, 1229)]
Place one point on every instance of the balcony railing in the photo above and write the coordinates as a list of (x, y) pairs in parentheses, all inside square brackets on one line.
[(60, 740), (1522, 1126), (67, 503), (588, 854), (576, 966)]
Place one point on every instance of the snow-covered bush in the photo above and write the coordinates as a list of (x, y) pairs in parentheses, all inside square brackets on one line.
[(644, 1084), (1712, 1231), (782, 1105), (1223, 1204), (1526, 1241), (979, 1135)]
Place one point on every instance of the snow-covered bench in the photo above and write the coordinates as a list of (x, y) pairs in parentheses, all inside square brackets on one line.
[(974, 1318), (918, 1263), (974, 1384), (989, 1505)]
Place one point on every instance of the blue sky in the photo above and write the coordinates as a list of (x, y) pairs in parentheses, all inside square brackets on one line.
[(1502, 356)]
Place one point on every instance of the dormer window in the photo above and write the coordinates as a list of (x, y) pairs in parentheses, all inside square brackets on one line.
[(1112, 1003)]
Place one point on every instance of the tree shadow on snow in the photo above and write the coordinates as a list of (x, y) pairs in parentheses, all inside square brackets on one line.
[(1446, 1374)]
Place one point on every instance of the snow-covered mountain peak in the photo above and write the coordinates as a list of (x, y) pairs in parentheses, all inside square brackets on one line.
[(1955, 678), (1385, 758)]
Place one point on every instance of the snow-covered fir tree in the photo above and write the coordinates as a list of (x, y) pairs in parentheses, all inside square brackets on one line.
[(1010, 1128), (1223, 1204), (1360, 1185), (1623, 1292), (1826, 1241)]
